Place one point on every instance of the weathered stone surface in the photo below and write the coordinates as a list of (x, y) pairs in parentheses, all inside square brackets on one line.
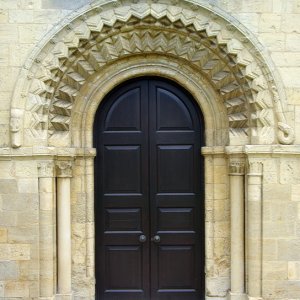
[(9, 270), (8, 186), (16, 289), (14, 252)]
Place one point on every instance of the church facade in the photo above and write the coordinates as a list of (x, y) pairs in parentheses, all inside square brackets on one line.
[(150, 149)]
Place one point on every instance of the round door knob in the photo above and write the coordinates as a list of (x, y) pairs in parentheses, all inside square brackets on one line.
[(156, 239), (142, 238)]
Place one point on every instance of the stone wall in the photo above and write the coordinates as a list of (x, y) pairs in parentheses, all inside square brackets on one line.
[(276, 24)]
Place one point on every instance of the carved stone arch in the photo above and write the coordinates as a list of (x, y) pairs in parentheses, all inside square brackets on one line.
[(55, 78)]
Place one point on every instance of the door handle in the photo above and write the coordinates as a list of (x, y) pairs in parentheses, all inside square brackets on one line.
[(142, 238), (156, 239)]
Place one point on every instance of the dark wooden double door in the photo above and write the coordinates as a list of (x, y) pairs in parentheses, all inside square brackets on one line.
[(149, 205)]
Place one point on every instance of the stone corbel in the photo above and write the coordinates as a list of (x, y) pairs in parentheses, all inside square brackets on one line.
[(16, 131)]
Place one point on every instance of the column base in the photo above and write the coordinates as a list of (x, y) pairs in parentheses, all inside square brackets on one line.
[(63, 297), (237, 296)]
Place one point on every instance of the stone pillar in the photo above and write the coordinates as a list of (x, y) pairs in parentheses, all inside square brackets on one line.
[(254, 230), (64, 255), (46, 229), (236, 175)]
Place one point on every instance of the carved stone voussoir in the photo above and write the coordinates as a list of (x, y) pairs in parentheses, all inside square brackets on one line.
[(46, 169), (64, 168), (237, 168)]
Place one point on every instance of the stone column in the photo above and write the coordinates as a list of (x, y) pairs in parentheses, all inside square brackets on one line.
[(236, 175), (46, 229), (64, 255), (254, 230)]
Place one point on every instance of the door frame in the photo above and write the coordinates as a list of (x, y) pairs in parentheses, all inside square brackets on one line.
[(197, 114)]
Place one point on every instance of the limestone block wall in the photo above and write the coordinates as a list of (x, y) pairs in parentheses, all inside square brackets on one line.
[(276, 24)]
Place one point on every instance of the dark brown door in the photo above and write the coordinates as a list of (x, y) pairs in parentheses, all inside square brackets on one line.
[(149, 204)]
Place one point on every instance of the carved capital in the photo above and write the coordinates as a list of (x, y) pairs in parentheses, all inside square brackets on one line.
[(255, 168), (63, 168), (237, 168), (46, 169)]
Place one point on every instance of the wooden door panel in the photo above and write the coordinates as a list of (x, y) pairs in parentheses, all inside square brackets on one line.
[(148, 182), (122, 165), (174, 131), (174, 168)]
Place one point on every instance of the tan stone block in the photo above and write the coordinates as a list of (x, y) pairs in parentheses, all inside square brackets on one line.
[(3, 235), (31, 33), (29, 4), (270, 249), (4, 100), (257, 6), (221, 229), (220, 174), (295, 196), (276, 192), (20, 202), (4, 117), (14, 252), (293, 95), (221, 210), (294, 270), (293, 42), (47, 16), (25, 169), (292, 6), (20, 16), (290, 75), (8, 77), (22, 234), (269, 23), (8, 218), (8, 33), (28, 185), (16, 289), (220, 191), (11, 4), (18, 54), (279, 229), (275, 289), (4, 54), (291, 23), (288, 249), (275, 270), (8, 186), (3, 16), (1, 289), (286, 59), (293, 288), (274, 42)]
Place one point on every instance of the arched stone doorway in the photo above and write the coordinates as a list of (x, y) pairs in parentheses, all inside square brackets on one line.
[(149, 197), (213, 58)]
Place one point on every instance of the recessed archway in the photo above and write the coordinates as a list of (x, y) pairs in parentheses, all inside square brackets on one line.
[(210, 55)]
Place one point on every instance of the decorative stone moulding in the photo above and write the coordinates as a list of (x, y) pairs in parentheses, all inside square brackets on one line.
[(109, 32)]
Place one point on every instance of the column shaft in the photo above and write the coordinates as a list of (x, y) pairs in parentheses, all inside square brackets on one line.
[(46, 229), (237, 230), (254, 231), (64, 236)]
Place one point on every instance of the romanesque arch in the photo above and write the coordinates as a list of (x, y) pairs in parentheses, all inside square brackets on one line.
[(203, 49), (53, 78)]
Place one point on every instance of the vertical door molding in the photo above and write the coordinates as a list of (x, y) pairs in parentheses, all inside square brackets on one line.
[(237, 203), (64, 255), (254, 229), (46, 183)]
